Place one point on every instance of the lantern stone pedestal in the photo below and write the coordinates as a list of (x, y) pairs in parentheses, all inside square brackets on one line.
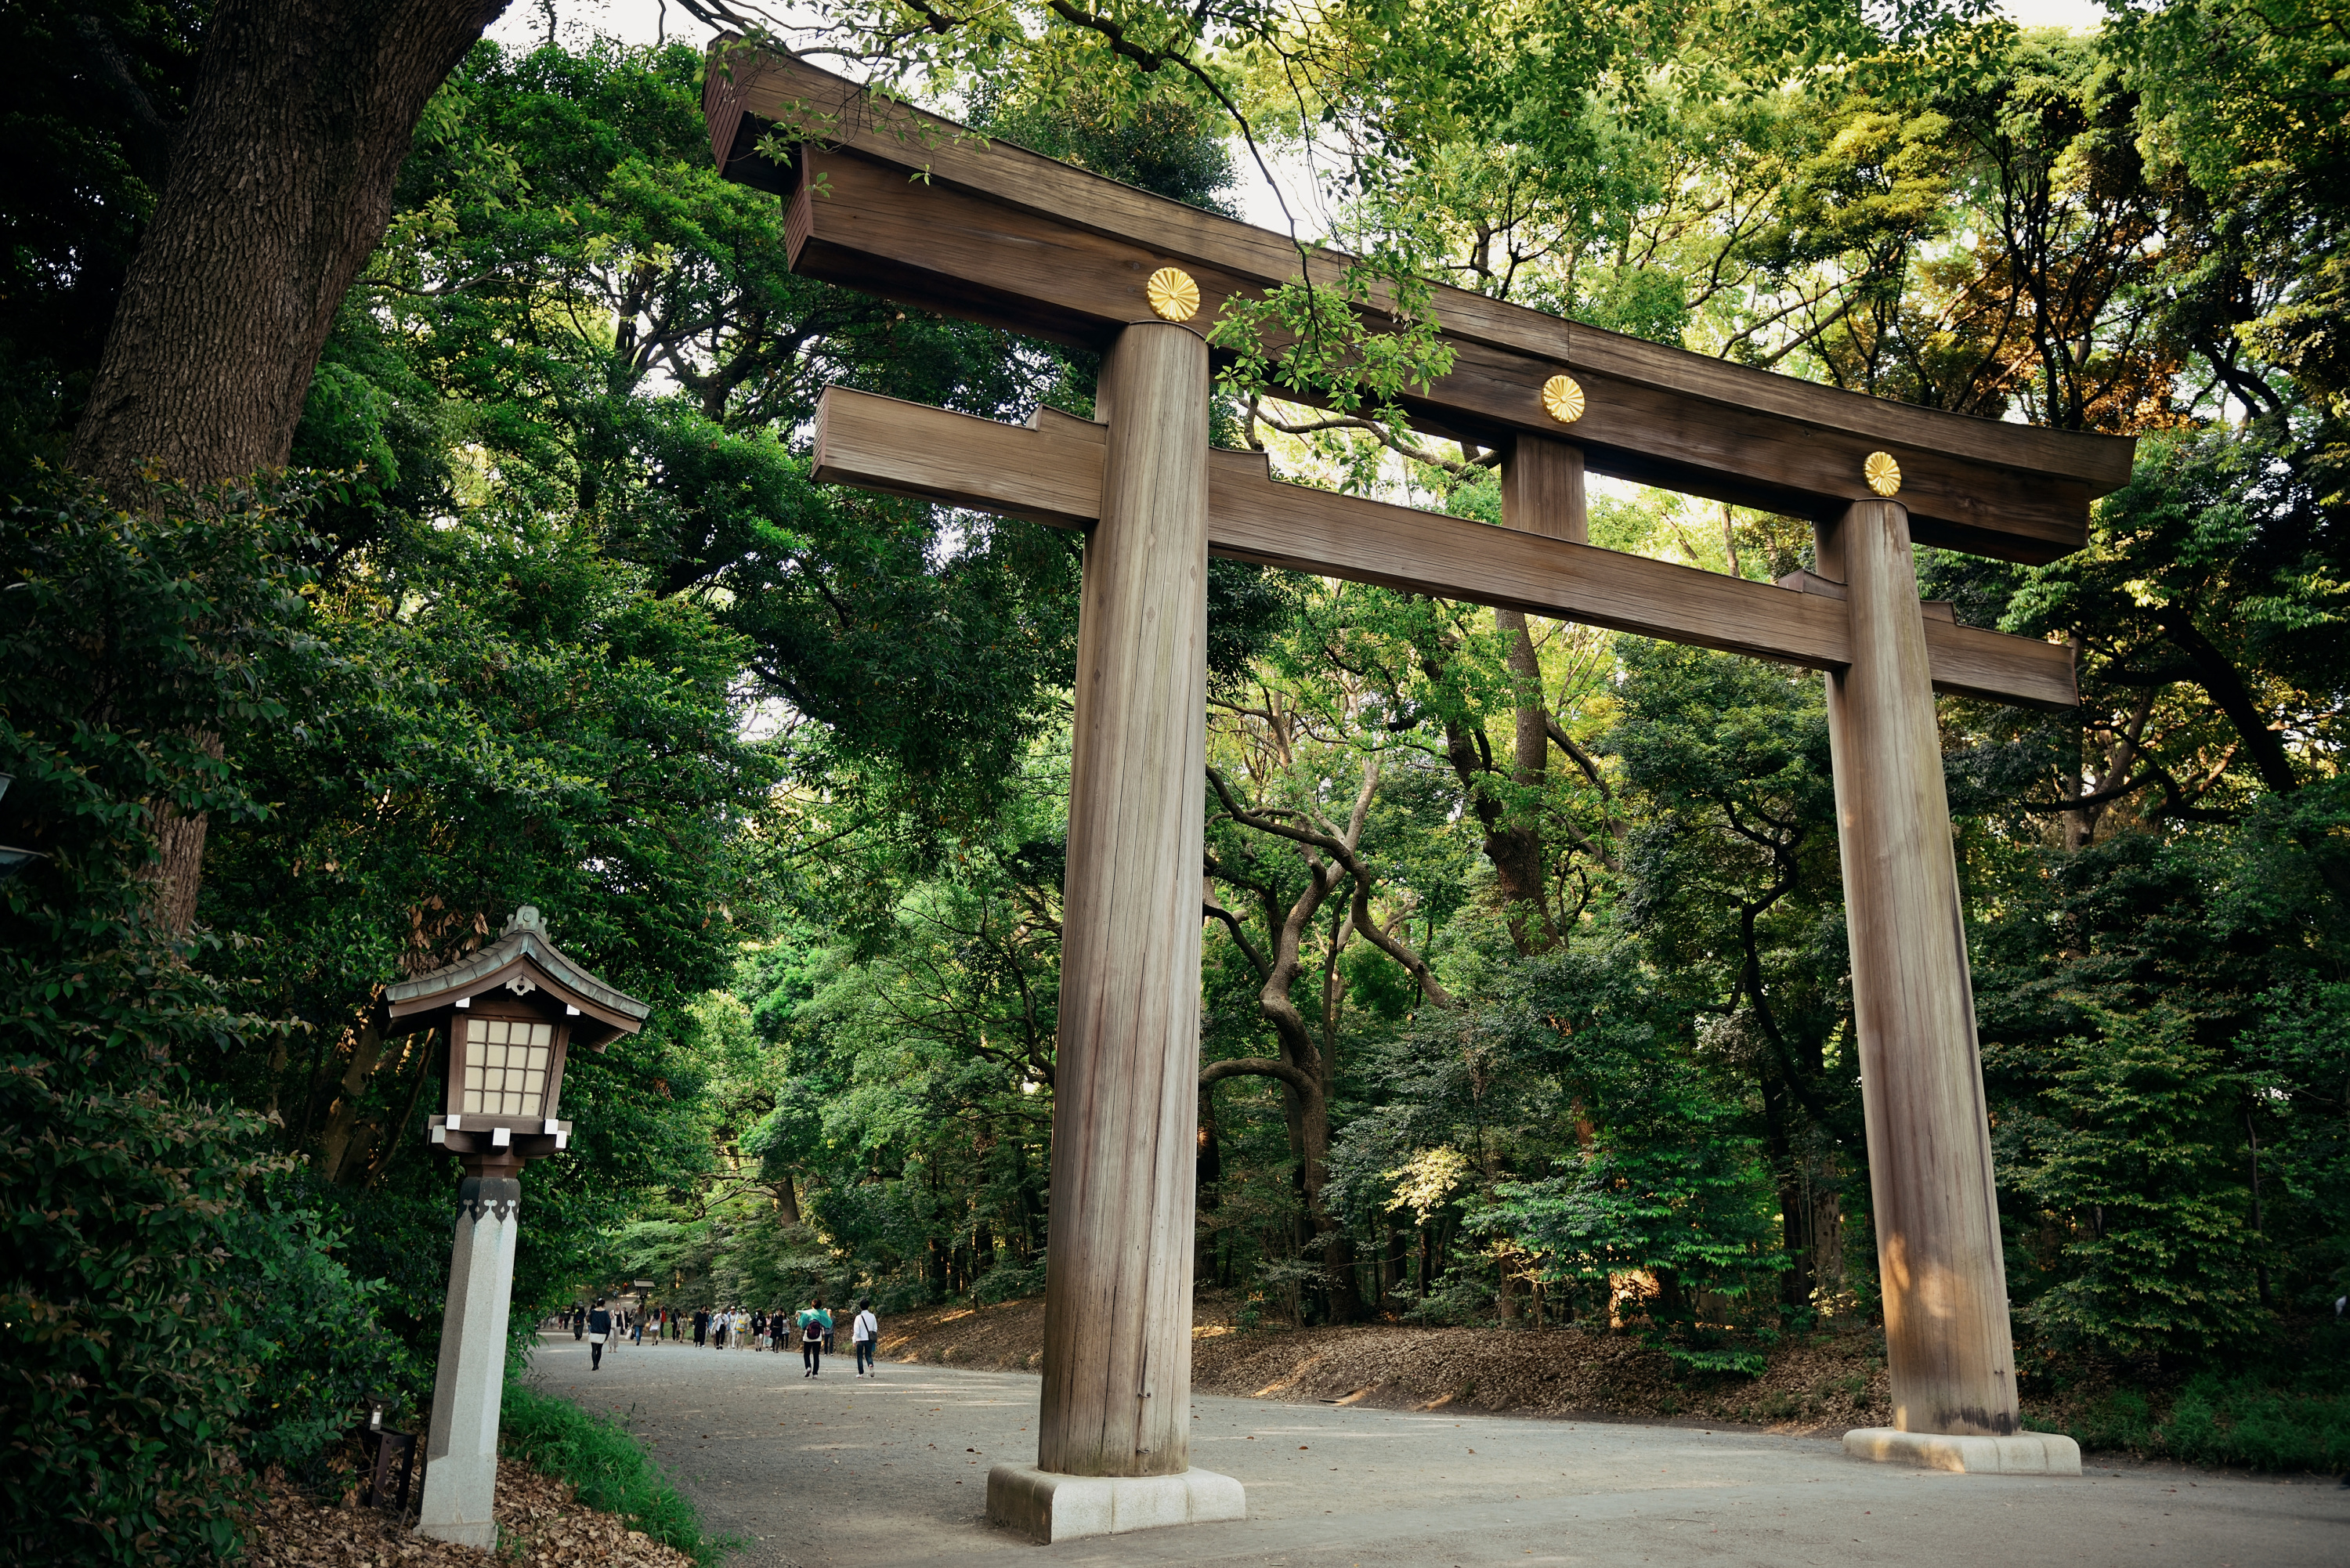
[(460, 1454)]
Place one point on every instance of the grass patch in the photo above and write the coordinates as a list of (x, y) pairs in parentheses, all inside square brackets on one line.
[(608, 1469), (2246, 1421), (2216, 1419)]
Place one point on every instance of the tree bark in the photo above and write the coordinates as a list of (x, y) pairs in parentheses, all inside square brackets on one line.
[(280, 187)]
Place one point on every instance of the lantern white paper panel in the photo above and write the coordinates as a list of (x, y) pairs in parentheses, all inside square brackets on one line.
[(505, 1066)]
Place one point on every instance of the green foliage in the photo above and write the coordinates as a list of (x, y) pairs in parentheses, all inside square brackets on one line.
[(103, 85), (1671, 1184), (321, 1350), (2217, 1418), (2133, 1134), (610, 1469), (2248, 1421), (125, 1371), (126, 1361)]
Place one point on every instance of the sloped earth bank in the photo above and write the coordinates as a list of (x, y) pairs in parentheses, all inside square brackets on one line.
[(1818, 1383), (539, 1522)]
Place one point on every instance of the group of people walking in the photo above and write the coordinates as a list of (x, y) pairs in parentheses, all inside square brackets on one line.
[(812, 1326)]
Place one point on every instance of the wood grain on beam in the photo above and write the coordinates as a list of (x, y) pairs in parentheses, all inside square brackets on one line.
[(1060, 251), (942, 248), (1050, 472)]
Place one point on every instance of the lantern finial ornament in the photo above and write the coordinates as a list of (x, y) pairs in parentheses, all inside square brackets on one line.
[(1173, 295)]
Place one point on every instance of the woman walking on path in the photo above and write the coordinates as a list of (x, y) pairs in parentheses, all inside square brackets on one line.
[(815, 1324), (701, 1326), (599, 1329), (866, 1332)]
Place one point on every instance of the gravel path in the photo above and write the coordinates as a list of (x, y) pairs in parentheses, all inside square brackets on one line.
[(837, 1472)]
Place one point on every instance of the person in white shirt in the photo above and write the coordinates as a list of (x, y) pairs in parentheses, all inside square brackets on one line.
[(866, 1333)]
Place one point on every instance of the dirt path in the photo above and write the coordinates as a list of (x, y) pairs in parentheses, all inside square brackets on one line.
[(844, 1472), (1825, 1383)]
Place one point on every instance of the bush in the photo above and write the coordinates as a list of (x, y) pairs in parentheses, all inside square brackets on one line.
[(126, 638), (314, 1331), (2245, 1420), (123, 1367), (610, 1469)]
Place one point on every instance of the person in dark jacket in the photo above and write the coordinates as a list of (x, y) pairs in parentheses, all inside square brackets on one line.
[(701, 1325), (599, 1329), (579, 1322)]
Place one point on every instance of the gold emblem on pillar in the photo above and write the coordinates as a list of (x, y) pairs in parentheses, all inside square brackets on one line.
[(1884, 475), (1563, 399), (1173, 295)]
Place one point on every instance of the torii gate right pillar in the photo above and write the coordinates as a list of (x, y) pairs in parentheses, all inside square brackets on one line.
[(1114, 1418), (1937, 1213)]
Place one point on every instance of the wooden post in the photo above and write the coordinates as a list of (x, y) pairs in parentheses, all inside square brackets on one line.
[(1542, 489), (1937, 1212), (1118, 1289)]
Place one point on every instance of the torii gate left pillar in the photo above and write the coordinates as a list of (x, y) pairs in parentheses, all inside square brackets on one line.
[(1113, 1440)]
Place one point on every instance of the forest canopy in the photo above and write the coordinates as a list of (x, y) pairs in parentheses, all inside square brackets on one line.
[(1525, 989)]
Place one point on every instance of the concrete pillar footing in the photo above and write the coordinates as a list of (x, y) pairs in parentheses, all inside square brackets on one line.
[(1048, 1506), (2024, 1454)]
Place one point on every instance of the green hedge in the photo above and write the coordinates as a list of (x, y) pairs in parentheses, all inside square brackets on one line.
[(2216, 1419), (610, 1469)]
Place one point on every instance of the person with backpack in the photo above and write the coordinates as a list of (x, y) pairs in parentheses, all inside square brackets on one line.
[(815, 1324), (866, 1334), (599, 1329)]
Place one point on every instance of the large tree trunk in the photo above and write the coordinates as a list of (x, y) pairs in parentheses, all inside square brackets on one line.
[(280, 187)]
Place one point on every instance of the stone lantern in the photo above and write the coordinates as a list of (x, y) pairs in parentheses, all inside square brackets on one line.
[(508, 1016)]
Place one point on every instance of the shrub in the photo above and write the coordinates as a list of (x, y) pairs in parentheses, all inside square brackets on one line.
[(125, 638), (313, 1330), (2246, 1421), (610, 1470), (122, 1365)]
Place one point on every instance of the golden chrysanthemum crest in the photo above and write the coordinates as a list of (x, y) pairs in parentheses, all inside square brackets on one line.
[(1884, 475), (1562, 399), (1173, 295)]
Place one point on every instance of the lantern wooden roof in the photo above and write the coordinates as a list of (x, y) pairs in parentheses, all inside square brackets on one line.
[(523, 960)]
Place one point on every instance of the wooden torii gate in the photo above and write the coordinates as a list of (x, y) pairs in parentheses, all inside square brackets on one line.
[(906, 205)]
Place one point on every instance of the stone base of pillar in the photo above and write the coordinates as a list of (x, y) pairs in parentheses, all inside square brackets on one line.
[(483, 1534), (1048, 1506), (2025, 1454)]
